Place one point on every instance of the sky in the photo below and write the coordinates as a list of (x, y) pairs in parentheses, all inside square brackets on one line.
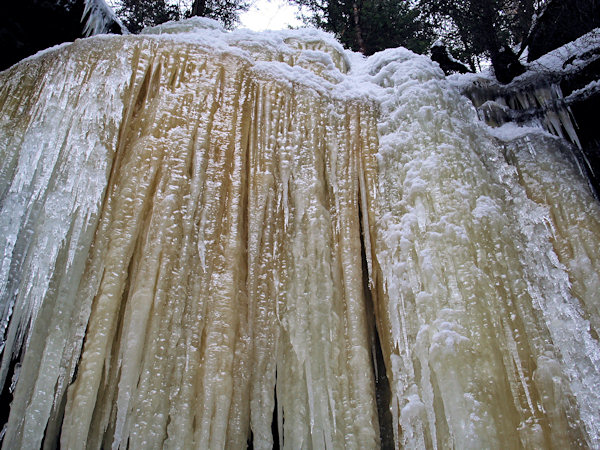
[(262, 15), (270, 15)]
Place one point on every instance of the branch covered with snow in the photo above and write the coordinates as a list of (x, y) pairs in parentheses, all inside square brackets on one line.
[(100, 18)]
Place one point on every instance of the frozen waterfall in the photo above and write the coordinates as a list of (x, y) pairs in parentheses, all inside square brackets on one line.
[(214, 238)]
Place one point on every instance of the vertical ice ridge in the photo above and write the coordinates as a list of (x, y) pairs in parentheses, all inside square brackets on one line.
[(571, 315)]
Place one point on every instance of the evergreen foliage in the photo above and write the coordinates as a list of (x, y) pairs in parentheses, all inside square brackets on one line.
[(137, 14), (562, 22), (369, 26), (472, 29), (484, 29), (225, 11)]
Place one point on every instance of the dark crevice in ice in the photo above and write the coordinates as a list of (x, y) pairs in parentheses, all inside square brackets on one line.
[(52, 434), (383, 393), (250, 441), (6, 396), (275, 423), (274, 428)]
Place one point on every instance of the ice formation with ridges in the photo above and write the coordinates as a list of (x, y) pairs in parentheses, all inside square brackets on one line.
[(211, 237)]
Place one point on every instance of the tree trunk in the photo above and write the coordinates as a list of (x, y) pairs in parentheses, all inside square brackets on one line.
[(199, 8), (504, 61), (359, 38)]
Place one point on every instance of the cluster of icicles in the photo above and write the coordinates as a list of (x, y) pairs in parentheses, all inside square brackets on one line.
[(211, 240)]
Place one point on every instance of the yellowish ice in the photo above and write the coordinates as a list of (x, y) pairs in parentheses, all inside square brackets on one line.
[(210, 238)]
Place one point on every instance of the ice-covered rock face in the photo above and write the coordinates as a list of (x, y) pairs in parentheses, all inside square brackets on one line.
[(559, 92), (211, 237)]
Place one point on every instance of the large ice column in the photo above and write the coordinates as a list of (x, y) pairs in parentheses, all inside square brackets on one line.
[(52, 182), (487, 276), (226, 265)]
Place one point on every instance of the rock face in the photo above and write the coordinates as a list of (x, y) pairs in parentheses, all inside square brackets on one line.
[(560, 92), (560, 23), (211, 238)]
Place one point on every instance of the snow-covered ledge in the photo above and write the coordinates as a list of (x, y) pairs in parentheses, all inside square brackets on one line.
[(556, 93)]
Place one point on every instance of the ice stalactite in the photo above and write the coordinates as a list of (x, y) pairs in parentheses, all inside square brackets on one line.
[(204, 232), (543, 106)]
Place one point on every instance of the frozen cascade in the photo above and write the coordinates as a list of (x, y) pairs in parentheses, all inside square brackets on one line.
[(206, 236)]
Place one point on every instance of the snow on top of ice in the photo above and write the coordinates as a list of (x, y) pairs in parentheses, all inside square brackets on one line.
[(310, 58), (562, 61), (188, 25), (511, 131), (537, 91), (40, 53), (201, 29), (588, 90), (204, 31), (306, 56)]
